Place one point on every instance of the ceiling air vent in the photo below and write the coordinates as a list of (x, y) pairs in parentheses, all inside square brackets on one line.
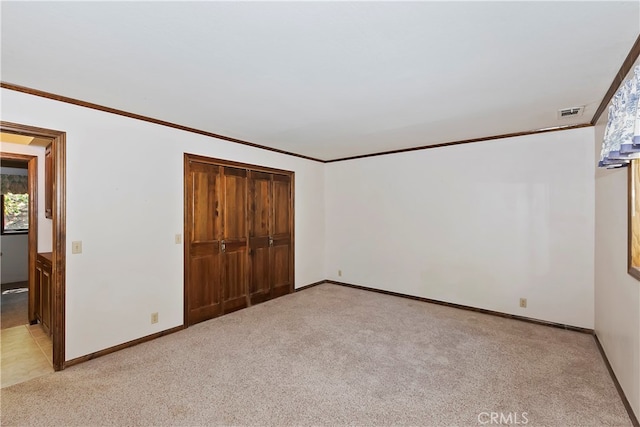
[(570, 112)]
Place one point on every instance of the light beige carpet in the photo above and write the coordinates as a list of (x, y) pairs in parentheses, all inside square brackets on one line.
[(330, 356)]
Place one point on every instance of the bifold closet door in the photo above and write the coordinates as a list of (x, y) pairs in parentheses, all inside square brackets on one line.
[(238, 237), (203, 220), (217, 255), (260, 212), (281, 259), (234, 239), (270, 236)]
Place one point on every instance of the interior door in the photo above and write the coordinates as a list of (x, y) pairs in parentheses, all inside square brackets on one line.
[(281, 259), (260, 211), (234, 240), (203, 217)]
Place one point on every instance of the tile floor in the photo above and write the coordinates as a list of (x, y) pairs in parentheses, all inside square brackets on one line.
[(25, 353)]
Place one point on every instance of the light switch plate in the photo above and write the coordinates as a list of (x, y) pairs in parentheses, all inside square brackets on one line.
[(76, 247), (178, 238)]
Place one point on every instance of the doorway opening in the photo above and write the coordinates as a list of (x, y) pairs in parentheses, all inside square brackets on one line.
[(15, 226), (27, 349), (53, 311)]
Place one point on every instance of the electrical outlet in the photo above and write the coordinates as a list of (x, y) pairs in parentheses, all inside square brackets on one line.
[(76, 247), (340, 273), (178, 239), (523, 302), (154, 318)]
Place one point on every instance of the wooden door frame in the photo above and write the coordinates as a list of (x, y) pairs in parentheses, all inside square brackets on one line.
[(58, 148), (185, 236), (32, 236)]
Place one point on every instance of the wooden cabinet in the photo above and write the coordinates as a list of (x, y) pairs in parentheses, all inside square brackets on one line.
[(238, 237), (48, 183), (43, 290)]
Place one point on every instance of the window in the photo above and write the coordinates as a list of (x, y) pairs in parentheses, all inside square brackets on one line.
[(15, 213), (14, 191), (634, 219)]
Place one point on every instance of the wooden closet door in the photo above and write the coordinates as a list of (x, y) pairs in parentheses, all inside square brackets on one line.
[(260, 211), (203, 218), (238, 236), (281, 257), (234, 256)]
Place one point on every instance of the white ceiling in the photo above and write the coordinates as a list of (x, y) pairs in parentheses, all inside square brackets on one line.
[(326, 79)]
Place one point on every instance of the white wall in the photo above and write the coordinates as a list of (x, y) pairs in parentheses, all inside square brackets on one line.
[(617, 294), (14, 171), (15, 258), (478, 224), (15, 248), (125, 203)]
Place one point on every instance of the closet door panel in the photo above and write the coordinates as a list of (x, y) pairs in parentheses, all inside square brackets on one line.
[(203, 220), (281, 203), (260, 275), (260, 205), (234, 278), (280, 270), (234, 271), (281, 257), (204, 291), (259, 232), (235, 204), (204, 210)]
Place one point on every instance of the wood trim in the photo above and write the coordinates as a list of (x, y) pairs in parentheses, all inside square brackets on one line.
[(623, 397), (26, 130), (464, 141), (32, 244), (32, 185), (247, 256), (234, 164), (59, 232), (311, 285), (292, 227), (68, 100), (466, 307), (633, 271), (631, 58), (186, 202), (59, 206), (122, 346), (629, 225)]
